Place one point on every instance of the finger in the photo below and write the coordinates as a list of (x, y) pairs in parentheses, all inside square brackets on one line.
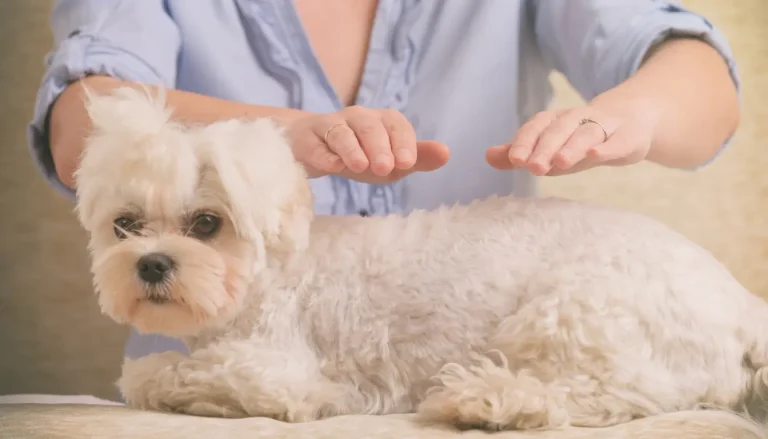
[(583, 165), (374, 139), (402, 139), (432, 155), (342, 141), (620, 145), (522, 145), (575, 149), (310, 149), (323, 160), (551, 141)]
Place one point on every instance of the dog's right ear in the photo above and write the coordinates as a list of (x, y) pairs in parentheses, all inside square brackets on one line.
[(130, 108), (131, 134), (116, 116)]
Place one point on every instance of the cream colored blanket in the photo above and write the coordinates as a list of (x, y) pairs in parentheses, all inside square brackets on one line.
[(81, 421)]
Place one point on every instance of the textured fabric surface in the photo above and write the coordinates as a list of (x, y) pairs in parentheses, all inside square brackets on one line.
[(38, 398), (109, 422)]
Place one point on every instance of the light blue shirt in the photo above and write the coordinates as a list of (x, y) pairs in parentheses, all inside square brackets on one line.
[(466, 73)]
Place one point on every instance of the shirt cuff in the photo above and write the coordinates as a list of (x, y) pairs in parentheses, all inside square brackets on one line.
[(667, 21), (671, 21), (77, 57)]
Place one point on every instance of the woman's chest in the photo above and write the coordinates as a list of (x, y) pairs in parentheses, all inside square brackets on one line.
[(339, 32), (442, 64)]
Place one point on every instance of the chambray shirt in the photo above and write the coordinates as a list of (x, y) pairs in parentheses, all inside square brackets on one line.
[(467, 73)]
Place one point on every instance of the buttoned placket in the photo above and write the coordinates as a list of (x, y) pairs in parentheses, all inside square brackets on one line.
[(384, 84)]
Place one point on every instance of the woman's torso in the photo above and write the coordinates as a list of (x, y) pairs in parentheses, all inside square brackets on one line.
[(451, 67)]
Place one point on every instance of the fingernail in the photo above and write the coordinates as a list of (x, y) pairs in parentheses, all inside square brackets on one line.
[(516, 160), (382, 159), (538, 168), (404, 155), (359, 164)]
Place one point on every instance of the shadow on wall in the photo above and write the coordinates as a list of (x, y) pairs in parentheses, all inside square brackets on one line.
[(53, 339)]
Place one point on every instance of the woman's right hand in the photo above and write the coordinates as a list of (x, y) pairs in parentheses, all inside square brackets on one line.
[(368, 145)]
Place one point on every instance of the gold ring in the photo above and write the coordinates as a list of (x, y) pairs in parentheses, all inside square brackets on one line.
[(587, 120), (328, 132)]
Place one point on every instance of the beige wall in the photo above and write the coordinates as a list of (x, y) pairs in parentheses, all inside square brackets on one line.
[(49, 321), (52, 338), (723, 206)]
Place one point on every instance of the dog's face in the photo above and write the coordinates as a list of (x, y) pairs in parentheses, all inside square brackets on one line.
[(181, 219)]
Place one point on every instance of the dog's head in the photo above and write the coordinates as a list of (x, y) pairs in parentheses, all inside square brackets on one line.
[(182, 218)]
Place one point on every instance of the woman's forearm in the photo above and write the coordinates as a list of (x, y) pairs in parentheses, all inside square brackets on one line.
[(69, 122), (686, 87)]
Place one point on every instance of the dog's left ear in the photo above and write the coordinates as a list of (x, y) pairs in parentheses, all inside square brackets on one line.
[(267, 191)]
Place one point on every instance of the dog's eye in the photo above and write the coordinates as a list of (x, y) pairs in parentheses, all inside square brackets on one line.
[(125, 225), (205, 225)]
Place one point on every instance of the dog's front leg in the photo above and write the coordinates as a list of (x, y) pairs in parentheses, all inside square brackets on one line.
[(171, 382), (232, 380)]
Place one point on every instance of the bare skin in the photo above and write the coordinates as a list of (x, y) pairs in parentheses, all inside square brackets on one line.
[(341, 48)]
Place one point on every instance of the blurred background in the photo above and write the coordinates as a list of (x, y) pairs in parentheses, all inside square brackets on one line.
[(54, 340)]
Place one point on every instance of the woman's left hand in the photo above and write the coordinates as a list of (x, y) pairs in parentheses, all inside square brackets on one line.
[(558, 142)]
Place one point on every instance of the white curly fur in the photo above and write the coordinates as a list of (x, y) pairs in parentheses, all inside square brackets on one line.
[(502, 314)]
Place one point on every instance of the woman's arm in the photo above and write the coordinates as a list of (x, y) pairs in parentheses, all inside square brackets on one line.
[(660, 81), (69, 123), (353, 150), (686, 84), (96, 46)]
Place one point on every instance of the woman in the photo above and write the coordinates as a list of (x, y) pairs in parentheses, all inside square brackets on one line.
[(375, 92)]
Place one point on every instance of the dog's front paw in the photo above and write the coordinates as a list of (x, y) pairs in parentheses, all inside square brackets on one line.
[(491, 397), (142, 382), (164, 382)]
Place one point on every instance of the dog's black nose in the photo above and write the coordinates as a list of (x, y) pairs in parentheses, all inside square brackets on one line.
[(154, 267)]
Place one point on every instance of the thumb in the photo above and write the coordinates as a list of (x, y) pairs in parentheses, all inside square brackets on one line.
[(430, 155), (498, 157)]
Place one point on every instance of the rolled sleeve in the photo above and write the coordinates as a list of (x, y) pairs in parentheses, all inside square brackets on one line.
[(598, 44), (126, 39)]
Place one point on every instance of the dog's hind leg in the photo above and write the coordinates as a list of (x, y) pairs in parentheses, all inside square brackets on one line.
[(488, 395), (567, 357)]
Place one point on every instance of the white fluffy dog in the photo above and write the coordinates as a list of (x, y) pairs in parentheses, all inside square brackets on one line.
[(502, 314)]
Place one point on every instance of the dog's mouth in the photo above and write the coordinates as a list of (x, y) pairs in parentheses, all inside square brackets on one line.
[(157, 300), (156, 296)]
